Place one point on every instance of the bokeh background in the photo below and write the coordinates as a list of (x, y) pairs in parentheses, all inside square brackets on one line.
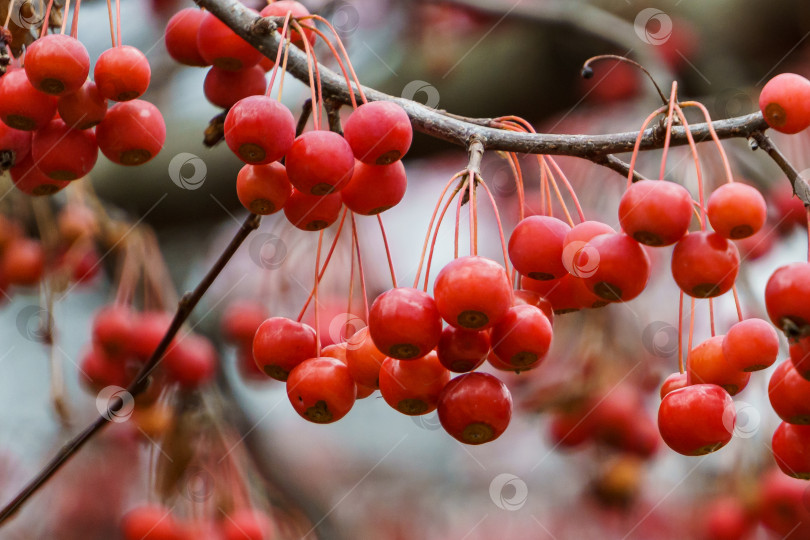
[(378, 474)]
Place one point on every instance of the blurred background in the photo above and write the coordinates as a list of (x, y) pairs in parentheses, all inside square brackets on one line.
[(376, 473)]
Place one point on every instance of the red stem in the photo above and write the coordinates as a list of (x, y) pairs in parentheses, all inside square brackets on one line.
[(430, 228), (387, 251)]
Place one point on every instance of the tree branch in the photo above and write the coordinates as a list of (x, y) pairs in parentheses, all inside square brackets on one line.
[(141, 382), (461, 131)]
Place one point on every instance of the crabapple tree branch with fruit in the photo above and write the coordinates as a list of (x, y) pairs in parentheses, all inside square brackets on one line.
[(459, 130), (479, 310)]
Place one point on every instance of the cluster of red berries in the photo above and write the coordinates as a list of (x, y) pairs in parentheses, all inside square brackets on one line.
[(123, 340), (787, 299), (24, 261), (408, 355), (776, 501), (590, 265), (55, 120), (157, 522), (614, 418), (322, 170), (697, 415)]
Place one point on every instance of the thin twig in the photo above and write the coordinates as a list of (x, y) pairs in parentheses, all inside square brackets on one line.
[(800, 186), (141, 382)]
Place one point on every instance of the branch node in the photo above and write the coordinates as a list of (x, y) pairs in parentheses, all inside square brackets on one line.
[(264, 26)]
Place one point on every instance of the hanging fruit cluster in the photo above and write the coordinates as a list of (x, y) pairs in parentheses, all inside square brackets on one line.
[(477, 313), (55, 120)]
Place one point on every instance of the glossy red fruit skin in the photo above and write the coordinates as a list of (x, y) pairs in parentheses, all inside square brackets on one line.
[(150, 522), (319, 162), (181, 37), (799, 355), (223, 88), (706, 364), (788, 392), (192, 362), (472, 292), (736, 210), (784, 103), (31, 181), (259, 129), (21, 105), (791, 449), (622, 268), (673, 382), (122, 73), (413, 386), (404, 323), (15, 140), (531, 298), (567, 294), (23, 262), (83, 109), (379, 132), (364, 359), (536, 247), (321, 389), (280, 8), (280, 344), (263, 189), (220, 46), (704, 264), (461, 350), (575, 241), (655, 212), (522, 337), (63, 153), (312, 212), (131, 133), (787, 297), (475, 408), (697, 419), (751, 345), (57, 64), (112, 329), (373, 189)]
